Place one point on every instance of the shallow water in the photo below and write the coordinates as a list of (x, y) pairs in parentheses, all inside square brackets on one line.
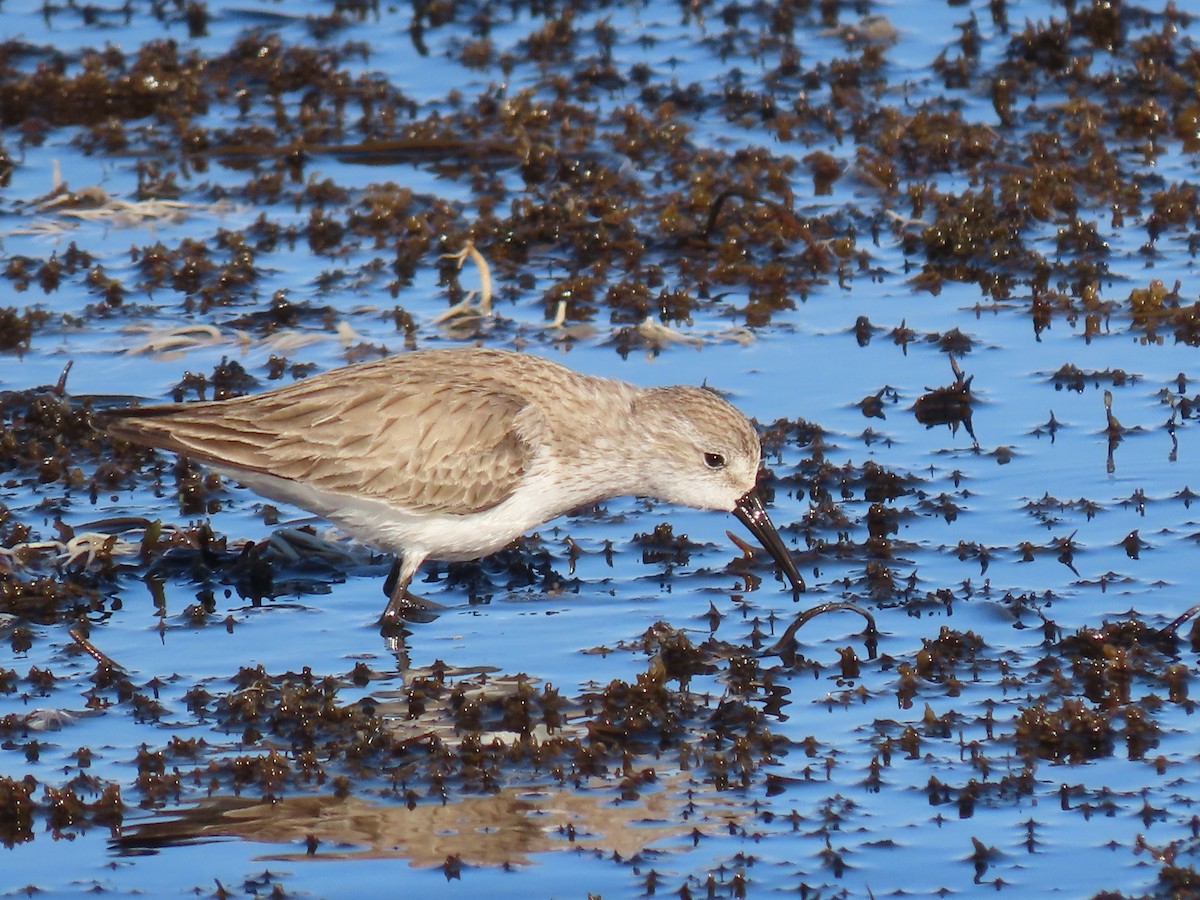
[(926, 770)]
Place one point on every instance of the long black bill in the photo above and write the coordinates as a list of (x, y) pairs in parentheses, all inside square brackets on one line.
[(750, 510)]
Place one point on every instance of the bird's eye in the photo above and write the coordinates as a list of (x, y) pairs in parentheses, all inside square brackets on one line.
[(714, 460)]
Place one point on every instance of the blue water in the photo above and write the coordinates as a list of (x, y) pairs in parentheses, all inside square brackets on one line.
[(805, 364)]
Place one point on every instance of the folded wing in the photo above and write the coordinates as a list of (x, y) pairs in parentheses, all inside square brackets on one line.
[(425, 441)]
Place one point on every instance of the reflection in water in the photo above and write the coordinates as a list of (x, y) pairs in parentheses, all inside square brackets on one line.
[(505, 828)]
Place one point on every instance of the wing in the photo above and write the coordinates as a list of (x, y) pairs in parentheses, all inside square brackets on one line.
[(423, 438)]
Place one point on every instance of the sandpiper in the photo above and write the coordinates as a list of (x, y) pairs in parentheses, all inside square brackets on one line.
[(451, 454)]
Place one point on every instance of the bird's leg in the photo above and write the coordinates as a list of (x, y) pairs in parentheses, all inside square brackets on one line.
[(403, 605), (389, 585)]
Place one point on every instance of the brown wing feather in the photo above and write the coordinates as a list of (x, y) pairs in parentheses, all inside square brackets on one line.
[(394, 432)]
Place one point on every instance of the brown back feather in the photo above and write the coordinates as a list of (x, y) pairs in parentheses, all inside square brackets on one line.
[(393, 431)]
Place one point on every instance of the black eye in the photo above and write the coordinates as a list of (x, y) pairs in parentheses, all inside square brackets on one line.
[(714, 460)]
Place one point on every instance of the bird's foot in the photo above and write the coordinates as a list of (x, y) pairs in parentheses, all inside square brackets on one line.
[(404, 607)]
